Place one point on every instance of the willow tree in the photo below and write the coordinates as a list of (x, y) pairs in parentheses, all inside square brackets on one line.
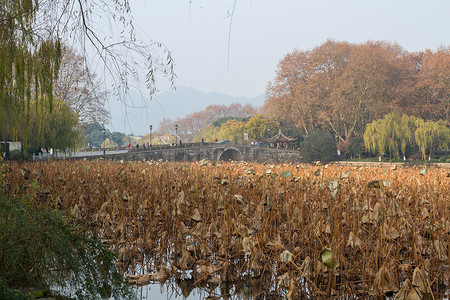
[(406, 130), (392, 133), (375, 139), (31, 35), (432, 136), (28, 67)]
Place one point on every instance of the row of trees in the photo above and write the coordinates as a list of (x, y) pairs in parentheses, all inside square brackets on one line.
[(339, 87), (194, 124), (396, 133), (257, 127), (93, 136), (45, 50), (228, 127)]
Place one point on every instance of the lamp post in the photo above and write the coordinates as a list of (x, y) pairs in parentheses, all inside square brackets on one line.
[(176, 135), (151, 128), (245, 134), (104, 131)]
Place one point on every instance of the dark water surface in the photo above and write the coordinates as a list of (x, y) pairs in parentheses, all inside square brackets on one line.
[(187, 291)]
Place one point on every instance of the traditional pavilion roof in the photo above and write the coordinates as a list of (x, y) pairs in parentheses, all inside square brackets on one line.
[(280, 138)]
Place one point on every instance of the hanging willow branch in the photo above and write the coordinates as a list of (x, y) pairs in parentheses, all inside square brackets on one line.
[(32, 33)]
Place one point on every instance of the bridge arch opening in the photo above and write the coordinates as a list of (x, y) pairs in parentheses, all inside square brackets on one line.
[(231, 154)]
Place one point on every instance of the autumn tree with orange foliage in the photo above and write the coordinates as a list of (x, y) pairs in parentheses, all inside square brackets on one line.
[(194, 123), (433, 85), (339, 87)]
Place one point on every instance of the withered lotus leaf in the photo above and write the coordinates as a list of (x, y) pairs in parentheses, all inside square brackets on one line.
[(307, 267), (391, 233), (162, 275), (423, 171), (196, 215), (441, 249), (25, 173), (139, 279), (333, 187), (420, 282), (276, 245), (293, 292), (353, 241), (384, 282), (247, 245), (239, 199), (345, 174), (257, 259), (76, 212), (377, 214), (320, 269), (286, 256), (413, 295), (404, 290), (284, 280)]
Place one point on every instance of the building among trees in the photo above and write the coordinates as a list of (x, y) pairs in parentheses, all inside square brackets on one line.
[(280, 140)]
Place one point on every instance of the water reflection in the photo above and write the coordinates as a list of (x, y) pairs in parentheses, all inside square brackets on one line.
[(188, 289)]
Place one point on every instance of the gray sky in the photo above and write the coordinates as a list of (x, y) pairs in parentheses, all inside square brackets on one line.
[(263, 31)]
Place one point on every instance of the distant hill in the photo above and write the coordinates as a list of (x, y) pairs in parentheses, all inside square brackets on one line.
[(173, 104)]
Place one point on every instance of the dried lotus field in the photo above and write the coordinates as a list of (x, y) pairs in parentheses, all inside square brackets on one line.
[(264, 231)]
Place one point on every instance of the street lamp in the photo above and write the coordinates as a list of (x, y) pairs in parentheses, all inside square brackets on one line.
[(151, 128), (104, 131), (176, 135)]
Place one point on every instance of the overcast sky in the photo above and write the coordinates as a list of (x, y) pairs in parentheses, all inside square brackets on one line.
[(263, 31)]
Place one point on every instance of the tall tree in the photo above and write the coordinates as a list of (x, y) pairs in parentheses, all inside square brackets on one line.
[(337, 87), (365, 89), (260, 128), (289, 97), (28, 65), (55, 128), (434, 84), (232, 130), (432, 136), (80, 89)]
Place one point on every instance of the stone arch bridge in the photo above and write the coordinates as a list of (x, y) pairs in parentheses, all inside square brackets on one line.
[(212, 152)]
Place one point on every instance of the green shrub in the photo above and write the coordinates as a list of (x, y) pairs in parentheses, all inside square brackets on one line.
[(448, 160), (318, 146), (442, 159), (10, 294), (355, 147), (433, 160), (16, 155), (42, 249)]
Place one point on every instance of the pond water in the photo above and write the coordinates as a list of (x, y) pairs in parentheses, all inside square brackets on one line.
[(185, 290), (167, 292)]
